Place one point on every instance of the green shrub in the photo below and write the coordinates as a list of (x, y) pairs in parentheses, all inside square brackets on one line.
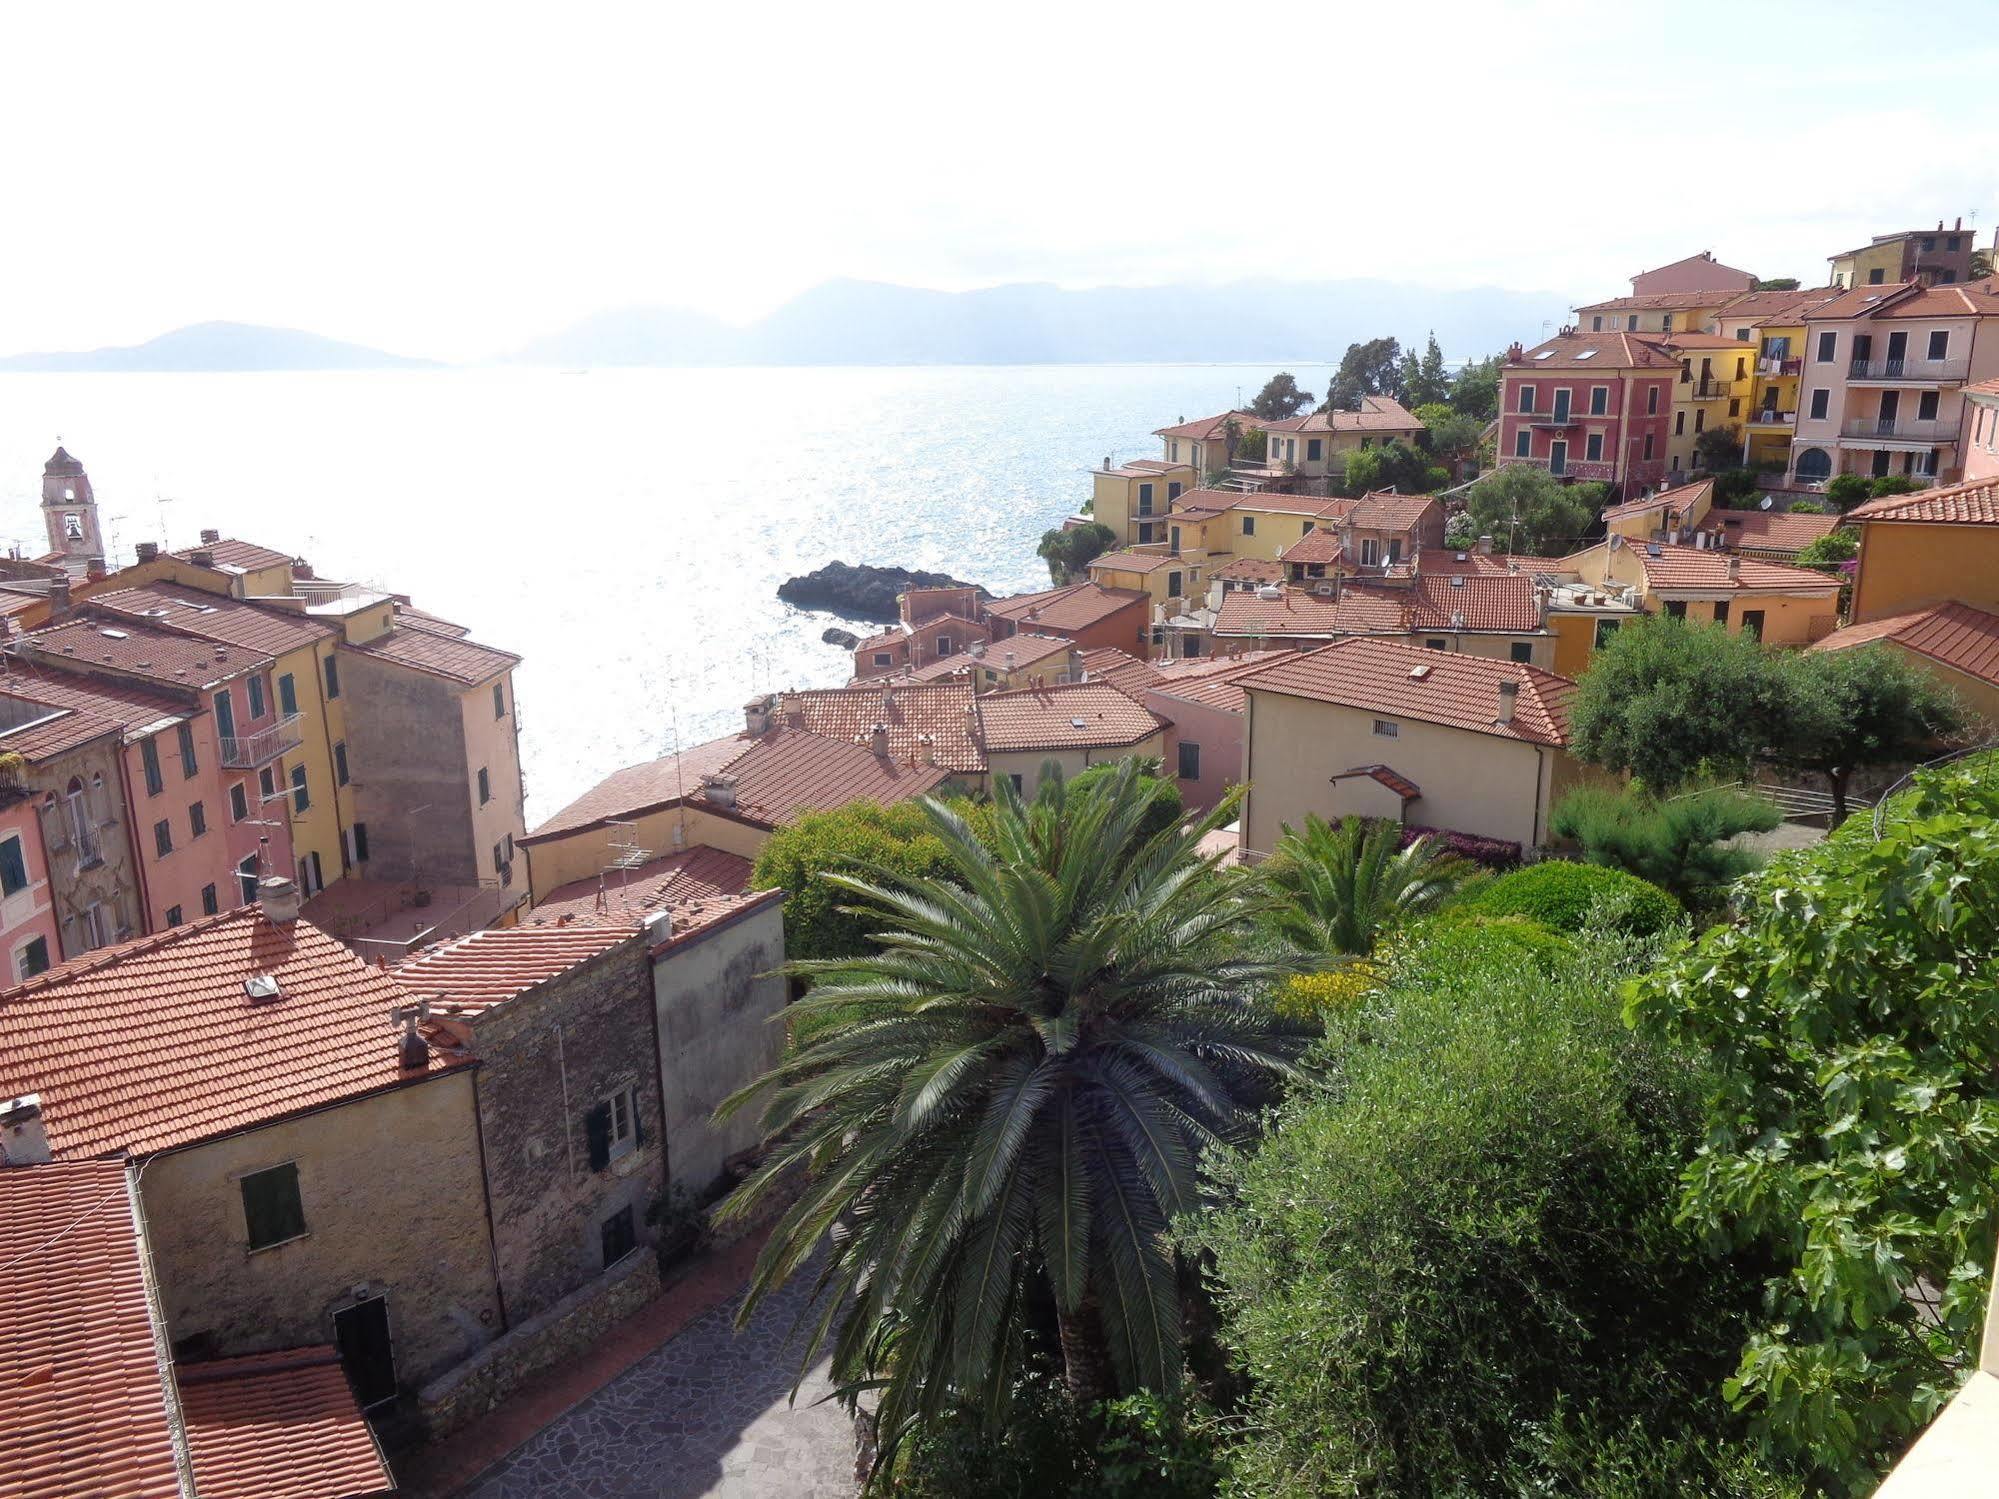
[(816, 925), (1828, 551), (1459, 938), (1564, 896), (1681, 844), (1166, 809), (1844, 491)]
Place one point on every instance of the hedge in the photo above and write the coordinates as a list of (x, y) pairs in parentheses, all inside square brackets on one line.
[(1561, 895)]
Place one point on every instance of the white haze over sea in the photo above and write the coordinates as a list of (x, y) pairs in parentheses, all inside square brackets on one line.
[(623, 530)]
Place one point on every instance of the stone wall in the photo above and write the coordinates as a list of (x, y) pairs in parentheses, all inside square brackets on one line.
[(406, 750), (113, 882), (566, 1327), (547, 1058)]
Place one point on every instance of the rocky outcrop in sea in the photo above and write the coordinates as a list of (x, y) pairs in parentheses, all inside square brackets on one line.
[(860, 590)]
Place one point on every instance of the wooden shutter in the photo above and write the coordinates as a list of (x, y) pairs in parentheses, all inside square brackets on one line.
[(597, 1129)]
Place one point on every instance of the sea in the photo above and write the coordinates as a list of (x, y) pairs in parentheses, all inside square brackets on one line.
[(623, 531)]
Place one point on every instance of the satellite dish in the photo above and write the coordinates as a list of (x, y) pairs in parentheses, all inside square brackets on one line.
[(1764, 503)]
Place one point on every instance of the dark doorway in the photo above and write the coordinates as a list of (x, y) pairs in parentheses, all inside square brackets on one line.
[(361, 1333)]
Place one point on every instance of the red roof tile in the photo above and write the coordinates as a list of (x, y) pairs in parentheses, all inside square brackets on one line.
[(1213, 682), (1663, 301), (472, 974), (1272, 502), (1386, 511), (241, 556), (1609, 350), (154, 1043), (848, 715), (1121, 669), (86, 1408), (1076, 607), (1443, 687), (1075, 715), (1769, 530), (424, 650), (1683, 497), (269, 631), (1504, 603), (1209, 426), (1315, 546), (84, 709), (1376, 414), (787, 773), (1761, 309), (278, 1426), (1024, 649), (1250, 570), (1357, 609), (1973, 503), (1954, 635), (1468, 562), (133, 649), (1134, 562), (1907, 299), (644, 788), (1677, 568), (696, 874), (1400, 784)]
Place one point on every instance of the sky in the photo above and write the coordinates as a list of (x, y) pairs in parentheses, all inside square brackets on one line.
[(450, 180)]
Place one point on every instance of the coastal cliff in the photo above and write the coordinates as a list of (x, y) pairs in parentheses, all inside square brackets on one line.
[(860, 590)]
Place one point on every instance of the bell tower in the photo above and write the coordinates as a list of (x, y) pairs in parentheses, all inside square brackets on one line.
[(69, 510)]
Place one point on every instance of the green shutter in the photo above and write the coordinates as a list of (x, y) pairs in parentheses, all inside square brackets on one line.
[(272, 1211)]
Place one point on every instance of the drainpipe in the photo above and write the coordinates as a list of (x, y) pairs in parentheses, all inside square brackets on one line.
[(132, 841), (486, 1197)]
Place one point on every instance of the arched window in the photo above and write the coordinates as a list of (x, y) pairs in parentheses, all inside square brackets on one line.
[(1814, 464)]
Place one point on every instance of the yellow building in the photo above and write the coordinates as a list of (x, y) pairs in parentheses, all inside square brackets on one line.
[(1204, 445), (1937, 546), (1658, 312), (1156, 571), (1777, 603), (1774, 321), (1134, 498), (1711, 394)]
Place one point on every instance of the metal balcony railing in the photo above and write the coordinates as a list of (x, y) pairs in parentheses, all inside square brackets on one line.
[(1710, 390), (1773, 366), (1770, 418), (249, 751), (1937, 370), (1904, 428)]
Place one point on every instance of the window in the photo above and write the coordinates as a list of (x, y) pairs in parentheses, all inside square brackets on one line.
[(1950, 243), (1521, 440), (239, 804), (1652, 401), (33, 958), (612, 1128), (360, 843), (247, 875), (332, 677), (1735, 404), (272, 1211), (173, 916), (1596, 323), (1721, 611), (946, 646), (1820, 400), (1249, 525), (13, 866), (1679, 424), (163, 837), (1929, 242), (619, 1238), (225, 715), (1315, 449), (197, 820), (149, 757), (1174, 581), (1648, 444), (1676, 608), (1876, 276), (1939, 344), (254, 685), (188, 768), (1190, 761), (884, 658), (340, 763), (1593, 447), (486, 781), (1015, 778), (1752, 623), (1527, 400), (267, 783), (1700, 421), (1605, 628), (1742, 337), (1370, 551), (1631, 323), (499, 700), (301, 795), (1828, 346), (210, 904), (1926, 406), (1436, 645), (1666, 323), (287, 695), (1599, 400), (1521, 651), (1145, 499), (1385, 729)]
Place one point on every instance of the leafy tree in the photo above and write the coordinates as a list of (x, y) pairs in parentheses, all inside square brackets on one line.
[(1461, 531), (1005, 1103), (1566, 897), (1342, 885), (1425, 380), (1777, 283), (1733, 485), (1369, 369), (1888, 484), (1163, 805), (1447, 433), (1844, 491), (1844, 710), (1475, 391), (1069, 551), (1681, 844), (1527, 510), (1981, 264), (1853, 1131), (1807, 507), (1828, 551), (1251, 444), (1280, 398), (1671, 702), (859, 835), (1718, 448), (1392, 465), (1453, 1268)]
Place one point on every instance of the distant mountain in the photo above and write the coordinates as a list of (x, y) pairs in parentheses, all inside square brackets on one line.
[(868, 322), (220, 347)]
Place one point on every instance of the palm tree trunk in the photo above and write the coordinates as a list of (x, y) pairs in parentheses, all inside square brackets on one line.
[(1085, 1355)]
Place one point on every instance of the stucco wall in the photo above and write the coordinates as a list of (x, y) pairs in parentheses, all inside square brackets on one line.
[(113, 881), (394, 1206), (1030, 765), (406, 745), (547, 1059), (584, 853), (717, 1001), (1471, 782), (1905, 566), (1219, 735), (29, 912), (492, 743)]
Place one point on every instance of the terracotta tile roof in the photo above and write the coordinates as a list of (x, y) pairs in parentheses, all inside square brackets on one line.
[(1209, 426), (1317, 545), (1769, 530), (1676, 568), (1954, 635), (1215, 682), (1358, 609), (1385, 511), (472, 974), (1200, 504), (1251, 570), (138, 650), (154, 1043), (1469, 562), (1973, 503), (1270, 502), (462, 661), (268, 631), (1400, 784), (1024, 649), (423, 619), (644, 788), (695, 874), (1704, 259), (1077, 715), (1453, 689), (1506, 604), (1135, 562), (1662, 301), (1376, 414), (242, 556), (1682, 497), (1121, 669), (86, 708), (1907, 299), (86, 1403), (1764, 308), (848, 716), (278, 1426), (1141, 468), (12, 603), (787, 773), (1608, 350), (1693, 340), (1076, 607)]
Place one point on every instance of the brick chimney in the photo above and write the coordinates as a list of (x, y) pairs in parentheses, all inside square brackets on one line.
[(926, 745), (210, 536), (147, 551), (720, 791), (58, 598), (201, 559), (878, 740), (757, 714), (1509, 694), (279, 898), (1734, 566), (23, 1140)]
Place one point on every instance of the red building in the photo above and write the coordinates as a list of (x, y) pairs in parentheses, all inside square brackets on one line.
[(1589, 406)]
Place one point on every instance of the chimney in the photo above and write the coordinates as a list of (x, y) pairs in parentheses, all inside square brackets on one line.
[(1009, 661), (210, 537), (279, 898), (1734, 566), (201, 559), (658, 927), (147, 551), (1509, 693), (720, 791), (58, 596), (878, 740), (412, 1051), (1485, 546), (94, 568), (888, 697), (926, 745), (23, 1141), (757, 714)]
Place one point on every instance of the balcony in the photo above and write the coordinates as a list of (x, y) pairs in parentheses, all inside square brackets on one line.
[(251, 751), (1706, 390), (1765, 418), (1568, 468), (1772, 368), (1900, 429), (1912, 371)]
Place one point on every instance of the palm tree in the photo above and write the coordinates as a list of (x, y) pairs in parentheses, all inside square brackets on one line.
[(1005, 1106), (1343, 885)]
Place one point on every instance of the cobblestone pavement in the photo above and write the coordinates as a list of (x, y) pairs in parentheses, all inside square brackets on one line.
[(704, 1416)]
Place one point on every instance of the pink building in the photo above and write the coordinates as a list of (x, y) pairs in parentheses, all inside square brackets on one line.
[(1700, 272), (1199, 698), (28, 934), (1979, 443), (1589, 406)]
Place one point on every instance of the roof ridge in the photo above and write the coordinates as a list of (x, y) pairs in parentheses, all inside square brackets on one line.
[(101, 958)]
